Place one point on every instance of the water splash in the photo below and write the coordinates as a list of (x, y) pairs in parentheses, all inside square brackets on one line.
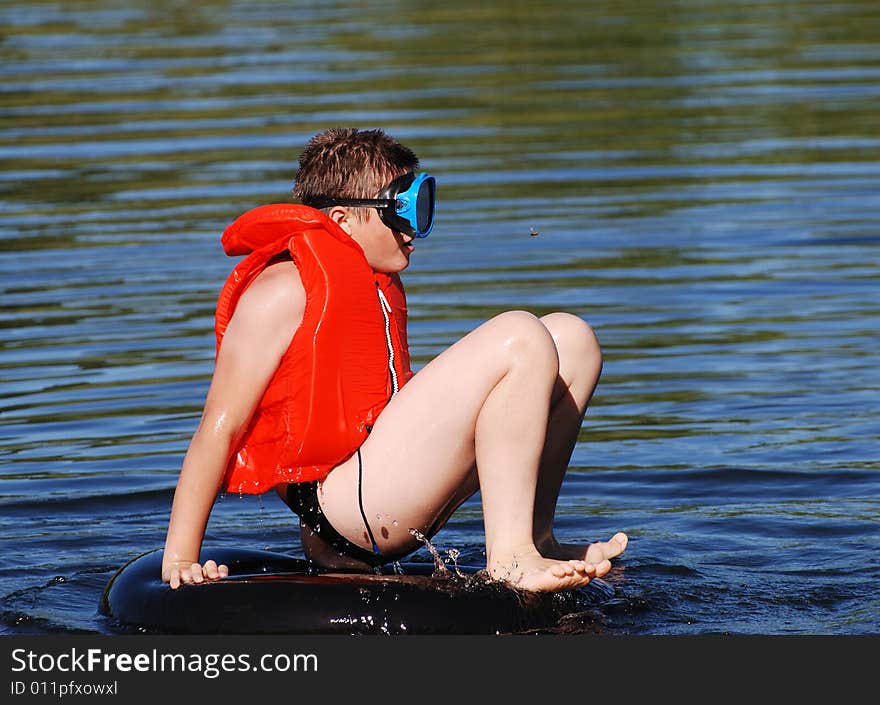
[(440, 569), (453, 554)]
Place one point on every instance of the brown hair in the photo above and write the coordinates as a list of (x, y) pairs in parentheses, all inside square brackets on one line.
[(345, 162)]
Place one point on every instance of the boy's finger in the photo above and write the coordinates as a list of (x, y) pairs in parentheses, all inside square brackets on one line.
[(196, 573)]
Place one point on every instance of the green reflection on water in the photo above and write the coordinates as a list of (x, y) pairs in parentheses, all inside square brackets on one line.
[(645, 79)]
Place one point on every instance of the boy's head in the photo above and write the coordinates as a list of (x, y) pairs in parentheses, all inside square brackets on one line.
[(349, 163), (343, 166)]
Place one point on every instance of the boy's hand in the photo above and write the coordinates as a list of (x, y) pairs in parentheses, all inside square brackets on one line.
[(180, 572)]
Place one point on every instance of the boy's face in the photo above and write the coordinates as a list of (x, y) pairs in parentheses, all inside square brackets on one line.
[(386, 250)]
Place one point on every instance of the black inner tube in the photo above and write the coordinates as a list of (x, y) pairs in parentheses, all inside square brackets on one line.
[(273, 593)]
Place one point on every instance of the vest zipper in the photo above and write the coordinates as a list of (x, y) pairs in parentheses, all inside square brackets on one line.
[(386, 312)]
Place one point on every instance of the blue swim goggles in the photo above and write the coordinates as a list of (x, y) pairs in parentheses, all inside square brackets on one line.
[(405, 205)]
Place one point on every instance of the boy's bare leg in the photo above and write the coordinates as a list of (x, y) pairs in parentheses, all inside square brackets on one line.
[(580, 364), (484, 402)]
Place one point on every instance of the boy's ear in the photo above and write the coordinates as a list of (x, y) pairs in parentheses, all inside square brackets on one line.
[(339, 215)]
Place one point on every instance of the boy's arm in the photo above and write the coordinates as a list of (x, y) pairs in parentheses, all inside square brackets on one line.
[(256, 338)]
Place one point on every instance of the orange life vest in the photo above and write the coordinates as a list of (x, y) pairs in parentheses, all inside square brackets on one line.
[(344, 361)]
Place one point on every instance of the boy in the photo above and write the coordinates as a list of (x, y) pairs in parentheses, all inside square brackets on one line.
[(312, 392)]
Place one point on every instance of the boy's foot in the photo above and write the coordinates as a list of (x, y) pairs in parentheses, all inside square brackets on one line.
[(596, 553), (529, 570)]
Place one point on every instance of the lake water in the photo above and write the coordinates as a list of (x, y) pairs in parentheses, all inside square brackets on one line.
[(704, 180)]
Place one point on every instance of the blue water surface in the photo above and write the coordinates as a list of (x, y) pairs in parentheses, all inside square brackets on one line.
[(702, 177)]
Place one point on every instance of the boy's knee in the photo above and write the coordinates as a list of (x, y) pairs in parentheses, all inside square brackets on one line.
[(573, 337), (523, 335)]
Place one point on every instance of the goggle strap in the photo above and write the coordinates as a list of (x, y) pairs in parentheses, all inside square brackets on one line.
[(327, 201)]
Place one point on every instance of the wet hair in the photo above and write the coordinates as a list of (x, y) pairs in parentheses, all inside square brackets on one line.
[(346, 162)]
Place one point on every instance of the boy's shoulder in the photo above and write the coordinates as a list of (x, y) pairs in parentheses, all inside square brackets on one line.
[(277, 290)]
